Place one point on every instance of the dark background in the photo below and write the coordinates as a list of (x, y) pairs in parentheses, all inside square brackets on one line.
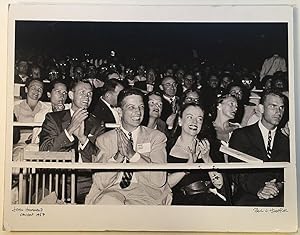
[(245, 43)]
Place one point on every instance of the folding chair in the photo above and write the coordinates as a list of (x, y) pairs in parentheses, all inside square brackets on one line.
[(35, 182), (18, 90)]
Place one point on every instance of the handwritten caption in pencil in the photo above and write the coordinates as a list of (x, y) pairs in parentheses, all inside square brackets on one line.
[(29, 212), (270, 210)]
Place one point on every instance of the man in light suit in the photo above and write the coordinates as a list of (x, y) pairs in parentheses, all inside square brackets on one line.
[(74, 129), (272, 65), (131, 143), (263, 140)]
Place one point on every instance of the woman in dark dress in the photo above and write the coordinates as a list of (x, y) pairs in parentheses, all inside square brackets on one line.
[(196, 187), (153, 108)]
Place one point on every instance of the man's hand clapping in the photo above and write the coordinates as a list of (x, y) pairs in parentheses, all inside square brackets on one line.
[(125, 147), (76, 126)]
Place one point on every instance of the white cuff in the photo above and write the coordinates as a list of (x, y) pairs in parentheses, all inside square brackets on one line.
[(83, 146), (112, 160), (70, 137), (135, 157)]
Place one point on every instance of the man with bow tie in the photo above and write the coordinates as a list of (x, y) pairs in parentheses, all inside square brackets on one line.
[(131, 143), (74, 129), (263, 140)]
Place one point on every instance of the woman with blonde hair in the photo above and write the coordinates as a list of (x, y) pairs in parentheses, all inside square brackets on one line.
[(226, 109)]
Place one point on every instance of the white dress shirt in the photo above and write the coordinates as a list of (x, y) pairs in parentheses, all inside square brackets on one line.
[(169, 99), (272, 65), (264, 131)]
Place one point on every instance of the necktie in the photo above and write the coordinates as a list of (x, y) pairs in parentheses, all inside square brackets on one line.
[(269, 150), (173, 103), (127, 175), (76, 146)]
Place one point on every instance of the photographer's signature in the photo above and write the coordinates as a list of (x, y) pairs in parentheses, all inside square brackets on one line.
[(270, 210), (29, 211)]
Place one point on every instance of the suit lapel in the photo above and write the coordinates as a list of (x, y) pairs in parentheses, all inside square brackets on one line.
[(142, 136), (257, 139), (167, 105), (143, 140), (90, 125), (65, 122), (87, 125), (275, 143), (106, 111), (277, 146), (66, 119)]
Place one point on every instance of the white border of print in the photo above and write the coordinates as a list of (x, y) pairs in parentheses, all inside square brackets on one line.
[(154, 218)]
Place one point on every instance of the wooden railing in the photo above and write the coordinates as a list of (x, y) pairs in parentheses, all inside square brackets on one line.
[(30, 169), (35, 161)]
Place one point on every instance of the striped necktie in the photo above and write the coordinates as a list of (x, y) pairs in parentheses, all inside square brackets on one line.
[(127, 175), (173, 104), (130, 137), (269, 149)]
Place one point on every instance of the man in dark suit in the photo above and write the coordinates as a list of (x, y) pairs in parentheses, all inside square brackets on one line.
[(170, 100), (105, 108), (263, 140), (21, 72), (132, 142), (74, 129)]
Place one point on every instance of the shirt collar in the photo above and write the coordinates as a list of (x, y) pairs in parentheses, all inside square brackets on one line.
[(72, 112), (105, 102), (37, 107), (134, 132), (170, 99), (265, 130)]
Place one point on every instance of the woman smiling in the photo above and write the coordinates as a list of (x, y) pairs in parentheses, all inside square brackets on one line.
[(197, 187)]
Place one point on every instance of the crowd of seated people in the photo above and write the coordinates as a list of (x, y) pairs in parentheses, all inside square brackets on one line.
[(117, 113)]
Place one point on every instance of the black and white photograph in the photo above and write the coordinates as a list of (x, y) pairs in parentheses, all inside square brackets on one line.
[(150, 115)]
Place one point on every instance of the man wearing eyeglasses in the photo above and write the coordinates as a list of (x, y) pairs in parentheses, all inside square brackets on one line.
[(170, 100), (74, 129), (53, 74), (264, 141), (188, 82)]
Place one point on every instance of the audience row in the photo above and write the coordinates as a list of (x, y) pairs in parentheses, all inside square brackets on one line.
[(171, 118)]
